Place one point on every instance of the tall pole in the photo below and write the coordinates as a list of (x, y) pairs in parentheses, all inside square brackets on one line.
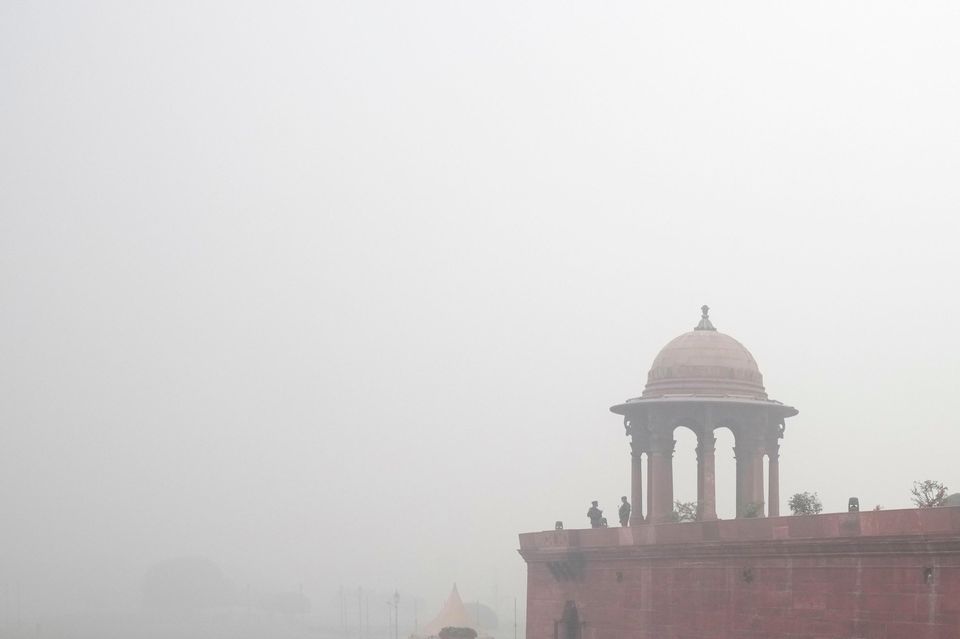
[(343, 616), (396, 614), (514, 618), (359, 611)]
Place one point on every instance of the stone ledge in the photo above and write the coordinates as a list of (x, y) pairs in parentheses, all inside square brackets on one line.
[(914, 523)]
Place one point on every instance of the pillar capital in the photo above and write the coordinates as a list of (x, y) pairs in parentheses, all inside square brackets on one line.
[(639, 440), (748, 442), (706, 443), (661, 442)]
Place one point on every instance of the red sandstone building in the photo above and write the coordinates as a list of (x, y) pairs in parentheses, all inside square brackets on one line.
[(880, 574)]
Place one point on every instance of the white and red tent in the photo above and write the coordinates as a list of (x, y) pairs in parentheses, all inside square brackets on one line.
[(453, 613)]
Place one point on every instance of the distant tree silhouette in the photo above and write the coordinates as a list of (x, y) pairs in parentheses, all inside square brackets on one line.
[(928, 493), (453, 632), (287, 603), (186, 583)]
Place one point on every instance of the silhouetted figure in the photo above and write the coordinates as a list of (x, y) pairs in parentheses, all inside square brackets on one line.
[(624, 511), (595, 515)]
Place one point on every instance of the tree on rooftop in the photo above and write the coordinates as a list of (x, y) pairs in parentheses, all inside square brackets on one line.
[(684, 511), (928, 493), (753, 509), (805, 504)]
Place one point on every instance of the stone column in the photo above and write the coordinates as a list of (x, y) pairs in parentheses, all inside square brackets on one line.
[(738, 455), (706, 477), (758, 488), (660, 476), (636, 484), (669, 479), (773, 498), (749, 476), (649, 517)]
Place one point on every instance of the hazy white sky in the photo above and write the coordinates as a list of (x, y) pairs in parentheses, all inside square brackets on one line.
[(341, 292)]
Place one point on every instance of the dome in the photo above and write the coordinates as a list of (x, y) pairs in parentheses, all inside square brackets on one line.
[(705, 362)]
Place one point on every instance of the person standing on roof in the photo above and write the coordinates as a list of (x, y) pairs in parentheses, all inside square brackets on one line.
[(595, 515), (624, 511)]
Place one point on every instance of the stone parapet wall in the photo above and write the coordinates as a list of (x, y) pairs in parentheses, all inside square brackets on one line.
[(886, 523), (871, 575)]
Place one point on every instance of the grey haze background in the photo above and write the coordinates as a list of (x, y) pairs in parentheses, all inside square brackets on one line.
[(340, 292)]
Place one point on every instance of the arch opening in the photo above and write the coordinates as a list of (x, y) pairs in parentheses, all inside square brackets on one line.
[(685, 478)]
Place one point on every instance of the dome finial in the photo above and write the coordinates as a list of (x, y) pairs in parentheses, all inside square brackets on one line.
[(705, 324)]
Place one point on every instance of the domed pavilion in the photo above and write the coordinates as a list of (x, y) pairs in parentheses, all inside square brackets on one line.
[(704, 380)]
